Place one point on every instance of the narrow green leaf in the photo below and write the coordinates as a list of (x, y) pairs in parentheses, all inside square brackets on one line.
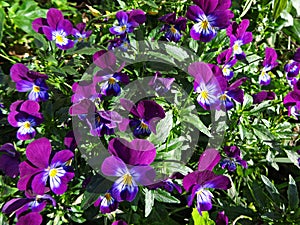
[(271, 189), (293, 195), (164, 196), (195, 121), (279, 5), (149, 201), (2, 21), (293, 156)]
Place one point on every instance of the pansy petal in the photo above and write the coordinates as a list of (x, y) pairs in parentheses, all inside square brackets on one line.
[(32, 218), (38, 23), (62, 157), (66, 26), (26, 173), (194, 12), (119, 222), (209, 159), (113, 166), (18, 72), (14, 204), (39, 183), (53, 17), (104, 59), (24, 86), (144, 175), (30, 107), (38, 152)]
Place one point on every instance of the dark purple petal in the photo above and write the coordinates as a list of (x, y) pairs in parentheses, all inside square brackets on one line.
[(30, 107), (54, 16), (207, 6), (247, 38), (136, 152), (168, 18), (10, 165), (209, 159), (220, 19), (122, 17), (70, 44), (222, 219), (124, 192), (218, 182), (39, 183), (62, 157), (66, 26), (194, 13), (129, 106), (148, 109), (70, 141), (223, 5), (232, 151), (85, 106), (237, 95), (14, 204), (138, 16), (48, 32), (263, 95), (270, 58), (32, 218), (18, 72), (224, 56), (38, 152), (119, 222), (26, 173), (237, 83), (297, 55), (38, 23)]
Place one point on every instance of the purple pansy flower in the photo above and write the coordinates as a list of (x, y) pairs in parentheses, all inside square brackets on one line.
[(173, 26), (32, 202), (269, 63), (292, 68), (292, 101), (55, 28), (130, 163), (25, 115), (205, 84), (9, 160), (79, 32), (198, 183), (234, 157), (161, 85), (127, 21), (238, 37), (110, 76), (210, 16), (224, 59), (103, 122), (222, 219), (32, 218), (168, 184), (119, 222), (28, 80), (121, 42), (38, 169), (146, 114), (230, 92), (263, 95), (106, 203)]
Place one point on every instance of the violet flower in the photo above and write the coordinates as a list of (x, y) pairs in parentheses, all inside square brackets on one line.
[(161, 85), (230, 92), (39, 169), (79, 32), (106, 203), (262, 96), (205, 84), (130, 163), (233, 158), (173, 26), (269, 63), (210, 16), (146, 114), (103, 122), (25, 115), (110, 76), (127, 21), (119, 222), (292, 68), (198, 183), (222, 219), (28, 80), (292, 101), (55, 28), (32, 202), (9, 160), (121, 42), (224, 59), (168, 184), (238, 37)]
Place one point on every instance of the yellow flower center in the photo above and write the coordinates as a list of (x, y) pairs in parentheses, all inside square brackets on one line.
[(36, 88), (172, 29), (69, 162), (80, 39), (127, 179), (204, 24), (27, 125), (111, 80), (59, 39), (108, 197), (53, 172), (143, 125), (236, 47), (204, 94), (223, 97), (224, 70), (123, 28)]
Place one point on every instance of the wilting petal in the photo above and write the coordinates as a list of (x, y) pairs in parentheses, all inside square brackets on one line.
[(209, 159), (38, 152), (32, 218)]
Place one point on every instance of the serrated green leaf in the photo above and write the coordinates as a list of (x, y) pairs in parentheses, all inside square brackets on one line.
[(293, 195), (271, 189), (164, 196), (279, 5)]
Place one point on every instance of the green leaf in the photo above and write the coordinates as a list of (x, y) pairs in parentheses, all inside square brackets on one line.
[(293, 156), (151, 3), (292, 192), (296, 5), (82, 51), (294, 31), (279, 5), (176, 52), (195, 121), (164, 196), (201, 220), (97, 186), (149, 201), (248, 101), (271, 189), (2, 21), (163, 129), (40, 41)]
